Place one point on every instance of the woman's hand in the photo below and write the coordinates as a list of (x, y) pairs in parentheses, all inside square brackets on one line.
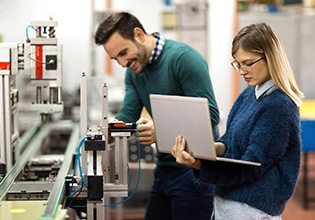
[(182, 156), (220, 148)]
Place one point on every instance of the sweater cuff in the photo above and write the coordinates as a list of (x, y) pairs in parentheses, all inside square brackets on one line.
[(202, 187), (206, 175)]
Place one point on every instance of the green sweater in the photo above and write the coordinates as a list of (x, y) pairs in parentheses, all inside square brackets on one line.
[(179, 70)]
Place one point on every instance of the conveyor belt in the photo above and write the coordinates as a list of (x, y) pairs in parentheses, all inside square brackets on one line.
[(30, 150), (53, 201), (58, 188)]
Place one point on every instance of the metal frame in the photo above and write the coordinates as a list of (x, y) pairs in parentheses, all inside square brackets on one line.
[(2, 121), (113, 166), (7, 123), (48, 81), (55, 197), (9, 132), (30, 150), (83, 118), (58, 188)]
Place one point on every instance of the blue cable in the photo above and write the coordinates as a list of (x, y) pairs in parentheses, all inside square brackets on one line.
[(27, 30), (79, 162), (75, 167), (74, 192), (77, 206), (80, 169), (84, 184), (134, 191)]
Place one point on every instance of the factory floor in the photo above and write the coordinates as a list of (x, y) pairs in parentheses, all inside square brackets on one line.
[(294, 209)]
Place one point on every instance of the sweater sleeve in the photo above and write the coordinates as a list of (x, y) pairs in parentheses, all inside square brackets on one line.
[(132, 106), (267, 145), (193, 75)]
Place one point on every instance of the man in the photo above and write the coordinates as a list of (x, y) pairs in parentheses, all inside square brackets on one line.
[(159, 66)]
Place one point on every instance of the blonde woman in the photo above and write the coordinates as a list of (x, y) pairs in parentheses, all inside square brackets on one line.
[(263, 126)]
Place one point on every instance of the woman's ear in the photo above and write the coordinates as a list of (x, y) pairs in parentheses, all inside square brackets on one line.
[(139, 35)]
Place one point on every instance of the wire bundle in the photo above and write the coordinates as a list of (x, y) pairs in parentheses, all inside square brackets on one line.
[(77, 159)]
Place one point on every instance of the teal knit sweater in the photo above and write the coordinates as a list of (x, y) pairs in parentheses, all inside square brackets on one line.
[(264, 130), (179, 70)]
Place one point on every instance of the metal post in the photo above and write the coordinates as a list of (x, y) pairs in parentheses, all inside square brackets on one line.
[(59, 95), (51, 95), (100, 211), (89, 210), (45, 94), (118, 142), (119, 209), (2, 121), (124, 161), (38, 95), (95, 210), (104, 120), (106, 153), (83, 118), (105, 111), (7, 113)]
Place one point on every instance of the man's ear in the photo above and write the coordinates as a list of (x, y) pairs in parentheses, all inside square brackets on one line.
[(139, 35)]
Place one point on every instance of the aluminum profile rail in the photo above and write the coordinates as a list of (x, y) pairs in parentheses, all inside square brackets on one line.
[(30, 150), (28, 135), (58, 188)]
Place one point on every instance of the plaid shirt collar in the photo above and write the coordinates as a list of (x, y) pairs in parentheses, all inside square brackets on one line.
[(157, 48)]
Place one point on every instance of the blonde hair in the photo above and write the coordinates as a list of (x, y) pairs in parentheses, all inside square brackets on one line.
[(260, 39)]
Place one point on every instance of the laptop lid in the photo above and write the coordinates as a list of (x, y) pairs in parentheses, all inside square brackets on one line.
[(187, 116)]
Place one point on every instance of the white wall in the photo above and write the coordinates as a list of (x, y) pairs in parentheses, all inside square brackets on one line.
[(74, 32), (220, 35)]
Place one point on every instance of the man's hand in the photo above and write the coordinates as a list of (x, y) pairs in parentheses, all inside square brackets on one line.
[(112, 119), (110, 138), (182, 156), (146, 131)]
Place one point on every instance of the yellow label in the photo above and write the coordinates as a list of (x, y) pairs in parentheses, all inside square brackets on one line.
[(17, 210)]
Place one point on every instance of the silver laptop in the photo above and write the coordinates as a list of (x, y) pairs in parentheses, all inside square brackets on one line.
[(190, 118)]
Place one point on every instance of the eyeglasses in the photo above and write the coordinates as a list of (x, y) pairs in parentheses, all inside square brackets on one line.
[(245, 67)]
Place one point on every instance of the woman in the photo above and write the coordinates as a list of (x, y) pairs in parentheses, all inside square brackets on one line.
[(263, 126)]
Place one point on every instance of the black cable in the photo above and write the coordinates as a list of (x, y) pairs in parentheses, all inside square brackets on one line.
[(74, 198)]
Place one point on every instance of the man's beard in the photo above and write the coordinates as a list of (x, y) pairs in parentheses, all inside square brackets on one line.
[(142, 56)]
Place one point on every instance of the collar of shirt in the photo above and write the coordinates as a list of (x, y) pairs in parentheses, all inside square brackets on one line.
[(157, 48), (265, 88)]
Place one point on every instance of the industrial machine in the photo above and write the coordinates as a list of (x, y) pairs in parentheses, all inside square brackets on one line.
[(56, 169), (31, 176), (41, 59), (43, 62), (104, 165), (9, 132)]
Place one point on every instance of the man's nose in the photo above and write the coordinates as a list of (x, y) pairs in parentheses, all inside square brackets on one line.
[(122, 62)]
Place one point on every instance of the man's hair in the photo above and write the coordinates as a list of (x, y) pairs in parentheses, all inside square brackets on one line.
[(122, 22)]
